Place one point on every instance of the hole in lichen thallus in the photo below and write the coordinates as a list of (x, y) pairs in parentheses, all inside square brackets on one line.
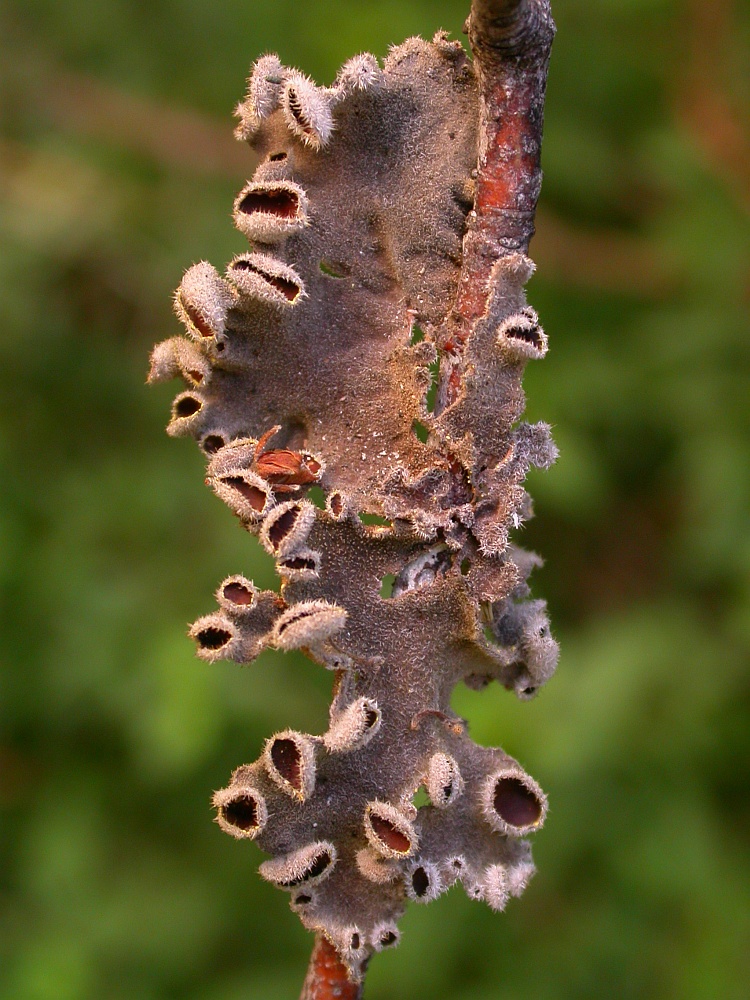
[(516, 804), (386, 585), (420, 798), (316, 495), (375, 519), (334, 269), (432, 391), (388, 938), (277, 157), (420, 430), (281, 202)]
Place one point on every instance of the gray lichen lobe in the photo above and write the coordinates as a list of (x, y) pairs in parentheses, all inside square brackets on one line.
[(310, 364)]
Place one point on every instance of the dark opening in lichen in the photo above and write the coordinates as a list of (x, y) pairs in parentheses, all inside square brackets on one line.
[(515, 803), (280, 202), (241, 812), (187, 406), (201, 325), (212, 443), (281, 527), (528, 334), (254, 496), (313, 870), (389, 834), (289, 289), (213, 637), (299, 563), (235, 593), (287, 760), (420, 882)]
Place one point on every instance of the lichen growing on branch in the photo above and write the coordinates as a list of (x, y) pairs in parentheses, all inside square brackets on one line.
[(370, 348)]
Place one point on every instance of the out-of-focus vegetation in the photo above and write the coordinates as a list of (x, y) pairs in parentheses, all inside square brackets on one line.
[(117, 171)]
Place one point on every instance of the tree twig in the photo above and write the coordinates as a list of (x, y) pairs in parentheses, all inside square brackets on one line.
[(327, 978), (510, 41)]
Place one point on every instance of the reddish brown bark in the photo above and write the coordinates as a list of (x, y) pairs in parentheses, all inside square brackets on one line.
[(327, 978), (510, 41)]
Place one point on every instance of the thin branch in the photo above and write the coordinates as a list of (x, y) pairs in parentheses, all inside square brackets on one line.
[(510, 41), (327, 978)]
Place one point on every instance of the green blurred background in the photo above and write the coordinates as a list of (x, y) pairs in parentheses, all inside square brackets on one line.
[(117, 171)]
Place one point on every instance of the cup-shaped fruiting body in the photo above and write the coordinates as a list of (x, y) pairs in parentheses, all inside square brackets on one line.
[(444, 782), (270, 211), (265, 279), (495, 888), (521, 338), (187, 413), (289, 758), (214, 441), (519, 877), (524, 627), (308, 110), (216, 638), (241, 811), (308, 623), (203, 300), (338, 506), (352, 944), (375, 868), (512, 802), (385, 935), (302, 564), (179, 357), (423, 882), (353, 727), (286, 528), (245, 493), (263, 95), (237, 595), (358, 73), (309, 865), (389, 831)]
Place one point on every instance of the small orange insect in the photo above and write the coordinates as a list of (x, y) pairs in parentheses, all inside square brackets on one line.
[(282, 468)]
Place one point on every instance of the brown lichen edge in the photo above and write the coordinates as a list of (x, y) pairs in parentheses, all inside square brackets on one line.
[(333, 329)]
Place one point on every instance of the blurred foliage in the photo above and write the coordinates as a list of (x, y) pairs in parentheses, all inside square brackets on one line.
[(117, 170)]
